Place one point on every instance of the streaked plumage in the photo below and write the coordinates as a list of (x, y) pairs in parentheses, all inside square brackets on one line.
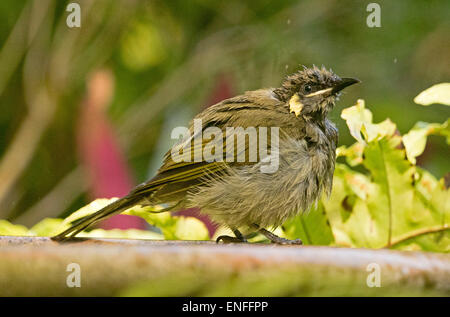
[(238, 194)]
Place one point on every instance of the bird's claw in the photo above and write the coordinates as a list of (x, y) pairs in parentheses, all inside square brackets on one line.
[(228, 239)]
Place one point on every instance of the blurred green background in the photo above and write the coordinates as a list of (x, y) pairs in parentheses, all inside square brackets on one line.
[(136, 69)]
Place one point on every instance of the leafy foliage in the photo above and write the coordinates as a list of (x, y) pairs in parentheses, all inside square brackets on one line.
[(391, 203), (439, 93), (167, 226)]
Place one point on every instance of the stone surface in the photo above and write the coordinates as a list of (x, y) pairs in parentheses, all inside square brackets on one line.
[(37, 266)]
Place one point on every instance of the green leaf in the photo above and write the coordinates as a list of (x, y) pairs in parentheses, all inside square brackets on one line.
[(311, 227), (394, 203), (154, 218), (416, 139), (392, 176), (122, 234), (433, 241), (353, 154), (190, 228), (47, 227), (439, 93), (359, 122), (351, 222), (356, 117), (9, 229), (173, 227), (89, 209)]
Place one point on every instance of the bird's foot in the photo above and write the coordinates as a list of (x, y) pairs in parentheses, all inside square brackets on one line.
[(239, 238), (228, 239), (278, 240)]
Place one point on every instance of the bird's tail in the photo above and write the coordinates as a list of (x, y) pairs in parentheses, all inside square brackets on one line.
[(115, 207)]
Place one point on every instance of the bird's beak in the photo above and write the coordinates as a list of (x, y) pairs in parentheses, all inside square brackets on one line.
[(344, 82)]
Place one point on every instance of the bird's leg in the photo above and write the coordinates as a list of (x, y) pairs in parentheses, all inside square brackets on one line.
[(276, 239), (227, 239)]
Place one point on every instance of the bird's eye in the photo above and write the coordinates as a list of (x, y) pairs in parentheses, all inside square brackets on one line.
[(307, 88)]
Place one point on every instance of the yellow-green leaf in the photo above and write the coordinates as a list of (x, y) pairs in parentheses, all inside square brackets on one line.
[(122, 234), (312, 227), (89, 209), (356, 117), (439, 93), (359, 122), (47, 227), (190, 228), (416, 139), (9, 229)]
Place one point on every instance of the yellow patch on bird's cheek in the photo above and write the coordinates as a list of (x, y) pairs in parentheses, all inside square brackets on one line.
[(295, 105)]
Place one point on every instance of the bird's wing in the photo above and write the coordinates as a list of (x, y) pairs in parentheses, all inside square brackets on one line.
[(254, 109)]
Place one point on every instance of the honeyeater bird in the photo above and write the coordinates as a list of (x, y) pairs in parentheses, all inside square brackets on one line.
[(249, 162)]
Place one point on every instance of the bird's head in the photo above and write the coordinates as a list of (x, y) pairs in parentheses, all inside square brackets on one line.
[(312, 92)]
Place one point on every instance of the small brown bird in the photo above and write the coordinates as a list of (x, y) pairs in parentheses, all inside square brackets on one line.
[(282, 161)]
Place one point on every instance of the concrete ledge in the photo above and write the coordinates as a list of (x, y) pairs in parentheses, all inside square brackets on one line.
[(37, 266)]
